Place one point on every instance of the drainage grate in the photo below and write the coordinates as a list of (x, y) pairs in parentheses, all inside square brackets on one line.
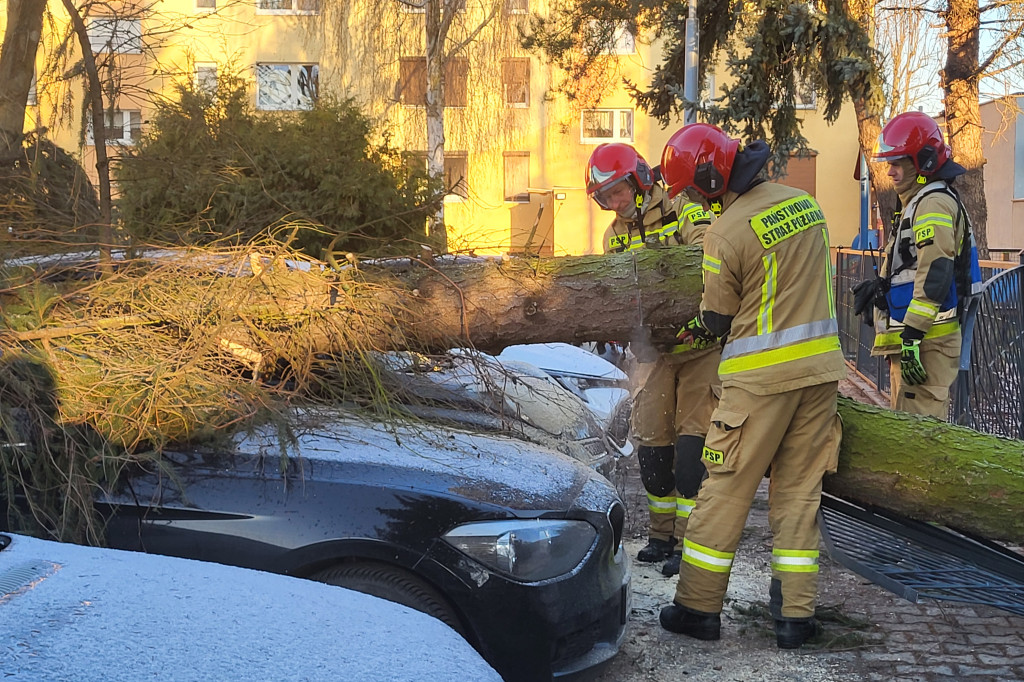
[(22, 575), (914, 559)]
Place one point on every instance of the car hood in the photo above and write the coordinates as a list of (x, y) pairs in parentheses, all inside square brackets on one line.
[(77, 613), (490, 469)]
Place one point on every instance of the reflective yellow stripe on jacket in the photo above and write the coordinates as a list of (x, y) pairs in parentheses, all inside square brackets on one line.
[(635, 241), (894, 338)]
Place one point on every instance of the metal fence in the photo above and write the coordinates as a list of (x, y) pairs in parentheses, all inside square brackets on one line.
[(987, 394)]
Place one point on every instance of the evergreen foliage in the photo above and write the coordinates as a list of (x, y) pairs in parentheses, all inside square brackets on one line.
[(771, 49), (211, 169), (46, 200)]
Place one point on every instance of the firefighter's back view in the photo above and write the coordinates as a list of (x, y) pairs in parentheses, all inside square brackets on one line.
[(675, 390), (768, 289)]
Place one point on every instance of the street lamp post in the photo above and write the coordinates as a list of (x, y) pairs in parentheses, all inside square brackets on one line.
[(690, 72)]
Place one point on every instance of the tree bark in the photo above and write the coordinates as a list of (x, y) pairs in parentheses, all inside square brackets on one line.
[(960, 82), (17, 66), (931, 471), (94, 93)]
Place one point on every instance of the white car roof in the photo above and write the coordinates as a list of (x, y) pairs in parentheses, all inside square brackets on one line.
[(74, 613)]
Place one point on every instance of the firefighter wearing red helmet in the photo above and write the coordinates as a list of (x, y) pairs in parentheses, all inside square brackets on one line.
[(768, 292), (926, 273), (675, 390)]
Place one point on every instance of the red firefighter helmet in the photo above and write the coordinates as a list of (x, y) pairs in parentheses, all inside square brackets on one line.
[(612, 163), (698, 155), (915, 135)]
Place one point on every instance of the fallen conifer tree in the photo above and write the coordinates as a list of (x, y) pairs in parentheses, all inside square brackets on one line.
[(187, 345)]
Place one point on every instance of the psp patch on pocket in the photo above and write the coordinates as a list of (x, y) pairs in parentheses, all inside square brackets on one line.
[(713, 456)]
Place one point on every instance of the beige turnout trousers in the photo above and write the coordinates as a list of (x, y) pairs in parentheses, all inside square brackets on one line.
[(797, 435), (677, 396)]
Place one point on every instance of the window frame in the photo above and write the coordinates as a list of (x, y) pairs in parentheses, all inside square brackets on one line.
[(295, 71), (126, 139), (132, 44), (199, 81), (451, 197), (616, 126), (520, 197), (294, 10), (522, 8), (421, 71), (620, 31), (506, 82)]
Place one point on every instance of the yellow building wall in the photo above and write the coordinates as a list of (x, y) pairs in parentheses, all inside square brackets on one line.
[(364, 63), (1002, 142)]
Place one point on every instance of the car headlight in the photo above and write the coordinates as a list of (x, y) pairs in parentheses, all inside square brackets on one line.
[(527, 550)]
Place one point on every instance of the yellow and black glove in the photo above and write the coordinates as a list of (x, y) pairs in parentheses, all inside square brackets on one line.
[(911, 368), (696, 335)]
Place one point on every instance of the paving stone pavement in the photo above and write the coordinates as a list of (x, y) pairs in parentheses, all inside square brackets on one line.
[(895, 640)]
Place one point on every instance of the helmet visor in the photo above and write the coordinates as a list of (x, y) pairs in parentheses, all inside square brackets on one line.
[(609, 196), (883, 153)]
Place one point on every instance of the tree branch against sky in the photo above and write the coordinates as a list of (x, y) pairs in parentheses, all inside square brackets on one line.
[(379, 43)]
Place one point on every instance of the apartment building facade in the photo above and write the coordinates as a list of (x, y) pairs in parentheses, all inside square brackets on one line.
[(515, 148)]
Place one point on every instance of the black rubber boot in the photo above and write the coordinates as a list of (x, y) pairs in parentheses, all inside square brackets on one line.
[(697, 624), (793, 633), (656, 550), (671, 565)]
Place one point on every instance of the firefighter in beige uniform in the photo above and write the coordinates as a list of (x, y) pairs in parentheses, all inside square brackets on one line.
[(677, 390), (916, 323), (768, 289)]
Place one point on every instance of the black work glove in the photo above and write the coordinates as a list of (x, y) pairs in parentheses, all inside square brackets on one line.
[(867, 296)]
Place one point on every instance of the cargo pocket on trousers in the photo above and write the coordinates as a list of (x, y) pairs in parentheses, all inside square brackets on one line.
[(723, 439), (835, 439)]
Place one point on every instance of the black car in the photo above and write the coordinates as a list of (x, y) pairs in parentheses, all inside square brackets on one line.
[(515, 546)]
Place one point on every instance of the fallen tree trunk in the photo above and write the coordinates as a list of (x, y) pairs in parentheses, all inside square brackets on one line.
[(931, 471), (921, 468)]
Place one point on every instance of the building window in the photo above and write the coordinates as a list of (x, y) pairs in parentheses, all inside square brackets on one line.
[(613, 38), (113, 34), (606, 125), (287, 6), (120, 127), (206, 5), (413, 81), (287, 87), (457, 5), (515, 80), (517, 6), (206, 77), (801, 172), (805, 96), (456, 174), (517, 176)]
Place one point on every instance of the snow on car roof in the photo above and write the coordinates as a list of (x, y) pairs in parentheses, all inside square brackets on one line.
[(75, 613)]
